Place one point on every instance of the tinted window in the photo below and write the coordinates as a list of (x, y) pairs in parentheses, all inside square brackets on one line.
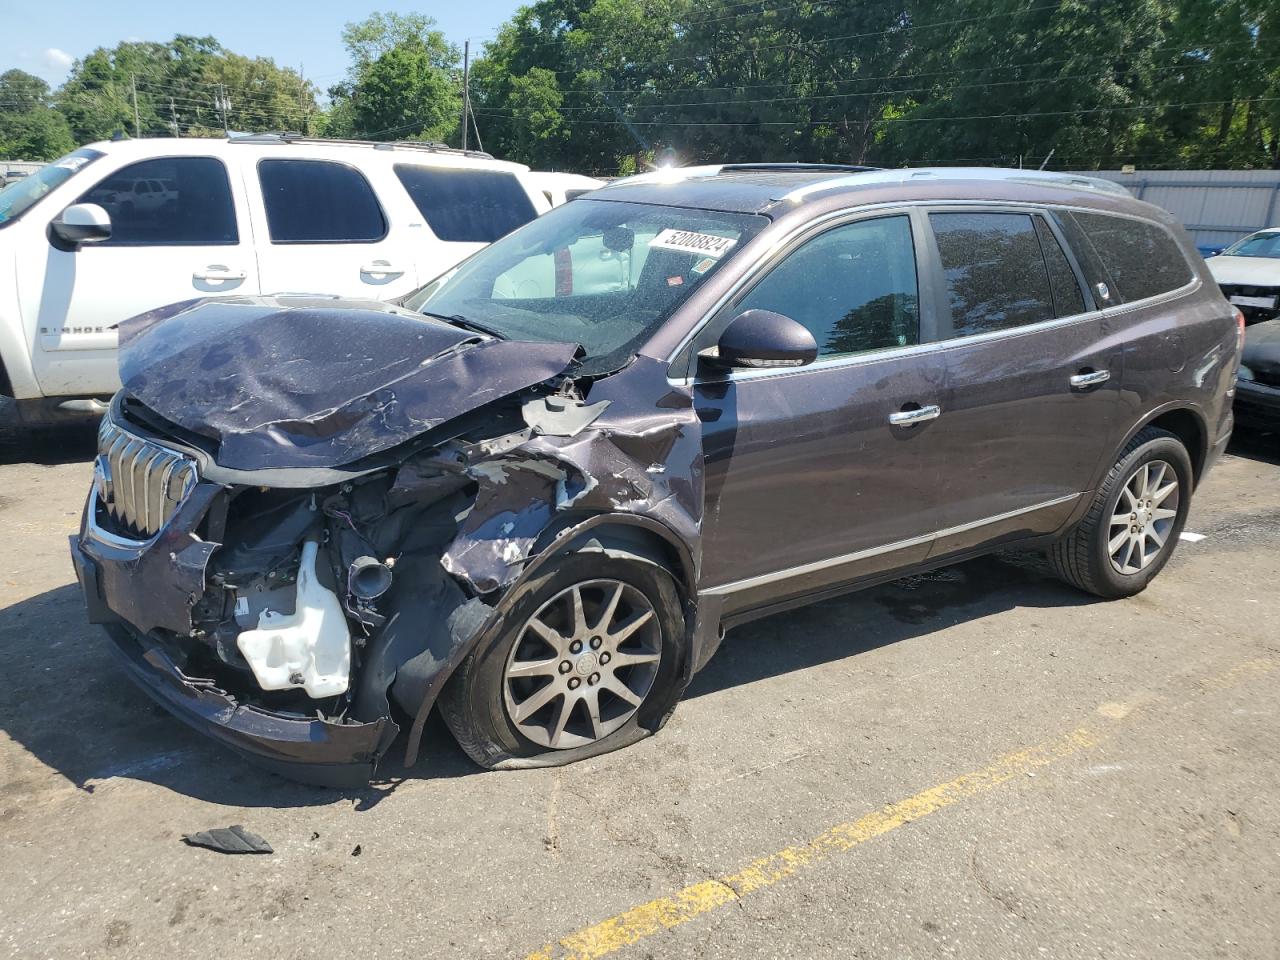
[(995, 272), (854, 287), (1142, 258), (467, 206), (197, 209), (1067, 297), (315, 201)]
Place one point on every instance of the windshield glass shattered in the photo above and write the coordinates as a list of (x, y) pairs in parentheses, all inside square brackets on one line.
[(21, 195), (1258, 245), (604, 274)]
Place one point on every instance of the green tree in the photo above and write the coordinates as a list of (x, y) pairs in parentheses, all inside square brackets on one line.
[(30, 129), (403, 81)]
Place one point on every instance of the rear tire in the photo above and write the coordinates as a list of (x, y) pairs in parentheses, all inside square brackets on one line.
[(1134, 522), (559, 631)]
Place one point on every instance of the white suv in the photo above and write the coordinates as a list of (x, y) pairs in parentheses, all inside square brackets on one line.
[(116, 229)]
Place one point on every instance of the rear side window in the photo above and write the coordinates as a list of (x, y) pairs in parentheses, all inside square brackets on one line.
[(995, 271), (467, 206), (196, 209), (319, 201), (1142, 258), (853, 287), (1067, 297)]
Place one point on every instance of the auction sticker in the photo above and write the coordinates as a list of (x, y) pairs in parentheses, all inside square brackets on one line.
[(688, 241)]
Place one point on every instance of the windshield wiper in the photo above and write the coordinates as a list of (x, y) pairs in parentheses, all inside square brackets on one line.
[(458, 320)]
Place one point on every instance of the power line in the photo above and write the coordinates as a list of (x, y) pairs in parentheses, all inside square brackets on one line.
[(888, 120), (895, 92)]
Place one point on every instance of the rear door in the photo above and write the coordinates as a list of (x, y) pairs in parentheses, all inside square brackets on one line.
[(323, 228), (1032, 375), (808, 482), (197, 244)]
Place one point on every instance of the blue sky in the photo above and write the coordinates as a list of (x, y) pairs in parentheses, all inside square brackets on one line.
[(44, 36)]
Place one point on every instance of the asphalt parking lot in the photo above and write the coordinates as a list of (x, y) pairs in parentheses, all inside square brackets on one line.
[(979, 762)]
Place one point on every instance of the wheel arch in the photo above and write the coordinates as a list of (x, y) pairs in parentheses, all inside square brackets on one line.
[(1185, 422)]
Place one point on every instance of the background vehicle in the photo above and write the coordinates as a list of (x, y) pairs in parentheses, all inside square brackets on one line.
[(1248, 272), (814, 380), (560, 188), (1257, 403), (116, 229)]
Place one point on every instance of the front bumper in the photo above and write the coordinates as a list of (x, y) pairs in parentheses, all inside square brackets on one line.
[(1257, 404), (308, 749)]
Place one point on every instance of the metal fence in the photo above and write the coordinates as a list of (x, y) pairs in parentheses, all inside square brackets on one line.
[(1217, 207)]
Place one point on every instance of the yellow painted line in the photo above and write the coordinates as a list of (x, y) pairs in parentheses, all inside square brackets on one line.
[(654, 917), (700, 898)]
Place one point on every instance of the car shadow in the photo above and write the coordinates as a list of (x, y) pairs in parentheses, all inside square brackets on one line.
[(1255, 444), (905, 609), (65, 701), (51, 445)]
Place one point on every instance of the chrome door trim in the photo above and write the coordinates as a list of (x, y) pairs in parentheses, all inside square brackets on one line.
[(791, 572)]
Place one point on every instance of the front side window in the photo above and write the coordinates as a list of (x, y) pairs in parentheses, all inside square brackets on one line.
[(23, 194), (1258, 245), (198, 210), (604, 274), (464, 205), (995, 271), (319, 201), (853, 287), (1141, 257)]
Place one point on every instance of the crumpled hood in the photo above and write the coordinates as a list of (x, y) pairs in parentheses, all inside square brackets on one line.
[(284, 382), (1262, 349), (1247, 271)]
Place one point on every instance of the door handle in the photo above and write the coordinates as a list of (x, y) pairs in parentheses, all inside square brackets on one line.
[(905, 418), (380, 268), (219, 275), (1089, 378)]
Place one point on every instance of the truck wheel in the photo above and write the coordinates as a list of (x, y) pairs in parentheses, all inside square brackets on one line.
[(1133, 524), (588, 659)]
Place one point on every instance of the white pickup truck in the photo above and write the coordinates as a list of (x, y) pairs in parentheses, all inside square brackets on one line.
[(115, 229)]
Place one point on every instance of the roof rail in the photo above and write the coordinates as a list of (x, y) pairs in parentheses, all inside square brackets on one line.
[(290, 136), (796, 167), (1046, 178)]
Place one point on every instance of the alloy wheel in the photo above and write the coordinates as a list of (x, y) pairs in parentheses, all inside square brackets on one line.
[(582, 664), (1144, 517)]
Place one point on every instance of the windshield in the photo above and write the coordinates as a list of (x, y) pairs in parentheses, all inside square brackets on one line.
[(21, 195), (604, 274), (1258, 245)]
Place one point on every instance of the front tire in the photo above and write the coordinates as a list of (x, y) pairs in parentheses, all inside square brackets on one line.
[(587, 659), (1134, 522)]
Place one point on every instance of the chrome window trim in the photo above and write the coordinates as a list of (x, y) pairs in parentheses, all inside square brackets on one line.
[(766, 259), (789, 573)]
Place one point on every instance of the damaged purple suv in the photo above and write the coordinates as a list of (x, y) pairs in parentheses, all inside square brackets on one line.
[(535, 493)]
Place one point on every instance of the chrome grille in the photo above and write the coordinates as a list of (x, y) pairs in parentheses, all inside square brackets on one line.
[(140, 483)]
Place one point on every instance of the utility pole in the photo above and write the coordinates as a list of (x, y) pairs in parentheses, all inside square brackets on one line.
[(223, 105), (173, 116), (137, 121), (466, 89)]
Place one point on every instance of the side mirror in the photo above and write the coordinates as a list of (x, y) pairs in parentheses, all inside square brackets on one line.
[(762, 339), (83, 223)]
